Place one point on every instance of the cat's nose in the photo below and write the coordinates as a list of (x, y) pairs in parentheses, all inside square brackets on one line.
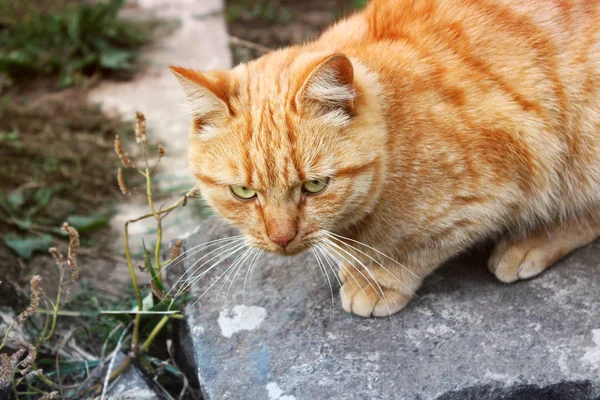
[(283, 238)]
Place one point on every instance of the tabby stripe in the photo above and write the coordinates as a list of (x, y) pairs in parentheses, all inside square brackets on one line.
[(356, 169), (207, 180), (527, 30)]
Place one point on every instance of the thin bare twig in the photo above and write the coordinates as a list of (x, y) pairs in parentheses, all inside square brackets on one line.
[(250, 45)]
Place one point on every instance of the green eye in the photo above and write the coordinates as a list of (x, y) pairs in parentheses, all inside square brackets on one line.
[(243, 192), (315, 185)]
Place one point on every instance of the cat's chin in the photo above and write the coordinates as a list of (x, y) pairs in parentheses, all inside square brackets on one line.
[(288, 252)]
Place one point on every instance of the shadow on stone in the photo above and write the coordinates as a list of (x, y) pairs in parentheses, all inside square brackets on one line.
[(580, 390)]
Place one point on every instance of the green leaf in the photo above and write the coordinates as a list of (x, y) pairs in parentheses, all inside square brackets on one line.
[(116, 59), (86, 223), (16, 199), (43, 196), (153, 274), (25, 246), (68, 367)]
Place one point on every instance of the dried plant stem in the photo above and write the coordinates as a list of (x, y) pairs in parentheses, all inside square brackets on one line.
[(136, 289), (96, 388), (56, 306), (156, 215), (155, 332)]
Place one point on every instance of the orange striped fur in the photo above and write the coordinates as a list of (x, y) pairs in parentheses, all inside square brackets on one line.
[(440, 123)]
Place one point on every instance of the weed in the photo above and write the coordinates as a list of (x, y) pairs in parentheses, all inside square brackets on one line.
[(128, 330), (69, 39), (267, 11)]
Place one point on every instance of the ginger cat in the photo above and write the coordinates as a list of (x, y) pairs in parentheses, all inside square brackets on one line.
[(405, 134)]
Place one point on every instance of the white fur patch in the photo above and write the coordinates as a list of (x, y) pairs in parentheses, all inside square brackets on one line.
[(201, 100), (326, 88), (335, 118)]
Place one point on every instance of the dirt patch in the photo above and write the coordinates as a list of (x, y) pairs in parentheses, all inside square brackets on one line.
[(279, 23), (57, 165)]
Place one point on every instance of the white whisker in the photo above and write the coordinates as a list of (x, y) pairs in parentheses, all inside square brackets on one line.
[(343, 267), (327, 258), (195, 279), (249, 271), (214, 283), (193, 269), (326, 277), (248, 254), (173, 262), (375, 250), (378, 263), (378, 290)]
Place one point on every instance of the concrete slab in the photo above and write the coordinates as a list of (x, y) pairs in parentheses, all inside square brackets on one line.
[(467, 336)]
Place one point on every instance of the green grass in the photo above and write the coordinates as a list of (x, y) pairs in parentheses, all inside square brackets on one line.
[(67, 39), (266, 11)]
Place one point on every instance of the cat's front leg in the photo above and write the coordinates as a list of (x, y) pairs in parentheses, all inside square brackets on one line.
[(377, 290)]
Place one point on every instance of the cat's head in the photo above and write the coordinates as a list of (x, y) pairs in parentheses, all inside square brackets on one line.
[(288, 146)]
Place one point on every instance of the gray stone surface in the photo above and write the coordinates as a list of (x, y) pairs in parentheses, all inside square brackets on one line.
[(467, 336), (131, 384)]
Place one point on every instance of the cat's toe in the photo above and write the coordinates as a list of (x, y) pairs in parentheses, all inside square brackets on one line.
[(523, 260), (393, 301), (506, 261), (369, 301)]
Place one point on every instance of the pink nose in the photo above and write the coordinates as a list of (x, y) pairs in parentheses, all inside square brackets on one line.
[(283, 239)]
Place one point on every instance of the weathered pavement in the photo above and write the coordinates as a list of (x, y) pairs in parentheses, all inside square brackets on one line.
[(200, 42), (467, 336)]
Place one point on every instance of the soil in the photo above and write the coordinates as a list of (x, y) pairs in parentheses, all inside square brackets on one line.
[(279, 23), (61, 146)]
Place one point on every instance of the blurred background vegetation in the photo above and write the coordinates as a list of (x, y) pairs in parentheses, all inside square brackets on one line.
[(56, 148)]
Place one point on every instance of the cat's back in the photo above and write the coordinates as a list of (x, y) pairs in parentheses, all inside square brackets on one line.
[(515, 75), (542, 49), (541, 58)]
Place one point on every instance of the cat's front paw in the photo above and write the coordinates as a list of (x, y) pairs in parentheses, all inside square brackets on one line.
[(368, 299)]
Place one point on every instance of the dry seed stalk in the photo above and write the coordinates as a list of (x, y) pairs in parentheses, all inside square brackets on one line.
[(33, 302), (57, 255), (175, 250), (28, 361), (122, 183), (73, 248), (6, 371), (127, 163), (161, 151), (140, 128)]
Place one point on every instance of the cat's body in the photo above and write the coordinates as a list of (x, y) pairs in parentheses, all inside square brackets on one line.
[(439, 122)]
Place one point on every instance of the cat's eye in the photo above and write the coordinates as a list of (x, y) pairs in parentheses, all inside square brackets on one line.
[(243, 192), (315, 186)]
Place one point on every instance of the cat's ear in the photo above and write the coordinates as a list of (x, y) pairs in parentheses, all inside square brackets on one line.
[(329, 84), (208, 96)]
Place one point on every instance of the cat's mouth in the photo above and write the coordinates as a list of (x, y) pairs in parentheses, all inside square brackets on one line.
[(293, 248)]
